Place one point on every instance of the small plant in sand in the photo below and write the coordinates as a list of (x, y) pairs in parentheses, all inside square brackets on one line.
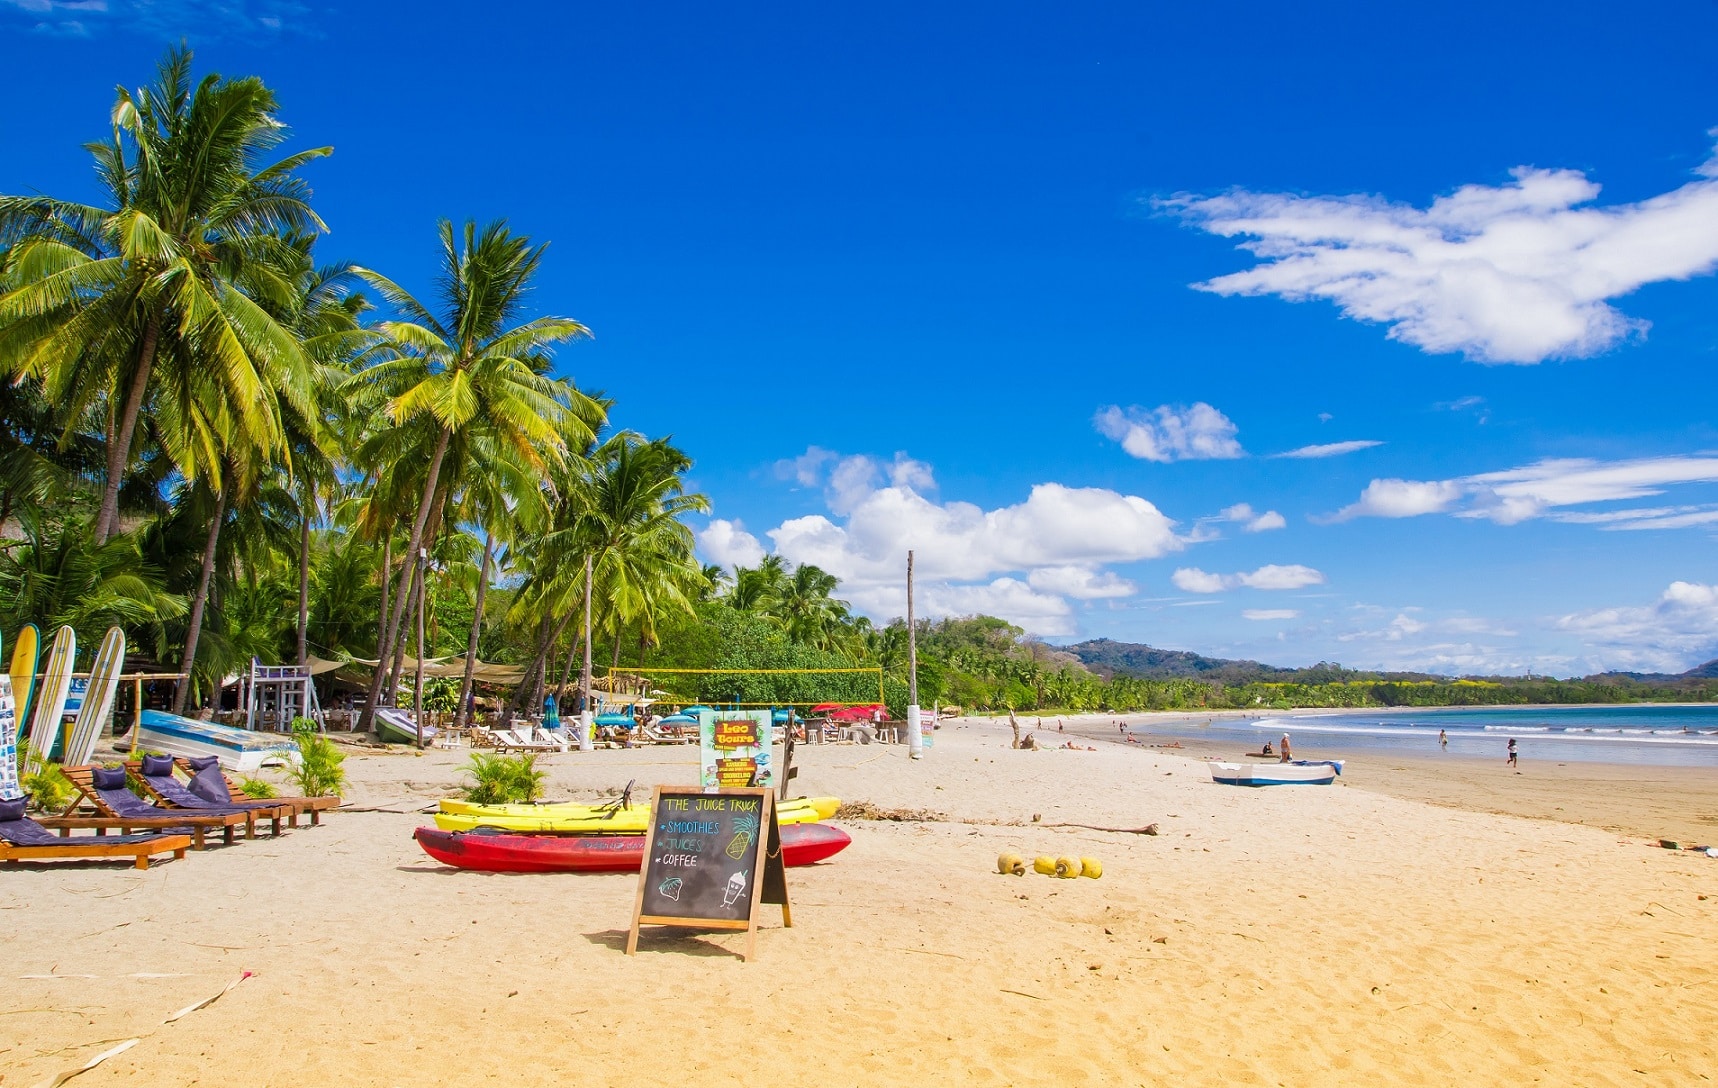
[(504, 780), (318, 772), (48, 789), (258, 789)]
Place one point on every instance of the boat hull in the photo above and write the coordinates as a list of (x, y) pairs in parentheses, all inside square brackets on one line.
[(801, 844), (1310, 773), (237, 749), (579, 819)]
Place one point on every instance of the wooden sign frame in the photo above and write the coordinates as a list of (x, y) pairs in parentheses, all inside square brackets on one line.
[(768, 884)]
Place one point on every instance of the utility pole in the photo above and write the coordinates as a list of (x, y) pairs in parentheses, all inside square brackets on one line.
[(915, 727), (418, 678), (585, 723)]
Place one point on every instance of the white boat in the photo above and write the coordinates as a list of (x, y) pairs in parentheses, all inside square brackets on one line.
[(398, 725), (237, 749), (1299, 772)]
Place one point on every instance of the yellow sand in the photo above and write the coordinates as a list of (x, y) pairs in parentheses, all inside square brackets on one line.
[(1293, 936)]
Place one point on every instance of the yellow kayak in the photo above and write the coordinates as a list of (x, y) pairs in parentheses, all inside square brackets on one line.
[(592, 818)]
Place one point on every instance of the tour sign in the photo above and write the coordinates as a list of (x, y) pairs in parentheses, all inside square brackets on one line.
[(709, 860)]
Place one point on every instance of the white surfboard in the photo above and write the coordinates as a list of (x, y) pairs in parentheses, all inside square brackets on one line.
[(97, 706), (51, 700)]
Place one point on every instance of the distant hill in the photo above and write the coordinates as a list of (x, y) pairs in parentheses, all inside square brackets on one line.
[(1108, 658)]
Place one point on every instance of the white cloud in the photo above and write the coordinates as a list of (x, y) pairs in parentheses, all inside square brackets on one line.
[(1083, 583), (1518, 494), (1330, 449), (728, 544), (1171, 432), (848, 480), (1251, 520), (1674, 633), (1516, 273), (1394, 631), (1025, 562), (1269, 614), (1272, 577), (1056, 526)]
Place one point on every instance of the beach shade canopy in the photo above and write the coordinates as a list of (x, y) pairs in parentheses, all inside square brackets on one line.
[(679, 719), (856, 713)]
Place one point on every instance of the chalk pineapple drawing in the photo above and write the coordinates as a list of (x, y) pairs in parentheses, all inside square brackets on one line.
[(670, 888), (745, 827)]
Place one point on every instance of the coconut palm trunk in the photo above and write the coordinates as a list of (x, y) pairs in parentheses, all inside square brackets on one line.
[(403, 596), (194, 629), (459, 714), (119, 450), (304, 592)]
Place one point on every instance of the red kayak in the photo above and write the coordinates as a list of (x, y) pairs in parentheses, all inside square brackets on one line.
[(499, 852)]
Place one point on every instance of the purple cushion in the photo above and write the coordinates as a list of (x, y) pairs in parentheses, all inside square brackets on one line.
[(208, 784), (156, 766), (11, 810), (109, 778), (201, 762)]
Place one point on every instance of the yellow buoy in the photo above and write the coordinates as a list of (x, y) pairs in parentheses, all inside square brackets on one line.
[(1091, 867), (1012, 864), (1045, 864), (1067, 868)]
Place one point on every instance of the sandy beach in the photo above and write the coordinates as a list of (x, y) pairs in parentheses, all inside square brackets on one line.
[(1381, 931)]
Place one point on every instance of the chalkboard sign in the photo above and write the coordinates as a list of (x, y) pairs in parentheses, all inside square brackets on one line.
[(709, 860)]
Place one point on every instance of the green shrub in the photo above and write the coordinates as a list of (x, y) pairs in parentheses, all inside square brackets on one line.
[(504, 780), (257, 789), (318, 772), (48, 789)]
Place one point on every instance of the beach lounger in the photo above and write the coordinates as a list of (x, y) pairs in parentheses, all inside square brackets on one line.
[(208, 782), (156, 774), (104, 789), (557, 740), (23, 839)]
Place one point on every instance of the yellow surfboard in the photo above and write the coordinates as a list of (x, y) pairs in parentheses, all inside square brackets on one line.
[(26, 654)]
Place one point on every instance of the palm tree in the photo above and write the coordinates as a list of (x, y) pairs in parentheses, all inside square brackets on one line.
[(808, 614), (469, 367), (164, 293)]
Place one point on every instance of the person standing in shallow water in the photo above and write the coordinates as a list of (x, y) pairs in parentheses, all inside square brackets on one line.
[(1513, 754), (1443, 739), (1285, 754)]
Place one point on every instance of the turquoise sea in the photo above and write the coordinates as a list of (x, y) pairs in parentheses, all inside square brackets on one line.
[(1636, 733)]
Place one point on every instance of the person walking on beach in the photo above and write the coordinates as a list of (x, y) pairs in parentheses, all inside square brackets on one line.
[(1443, 739), (1513, 754), (1286, 753)]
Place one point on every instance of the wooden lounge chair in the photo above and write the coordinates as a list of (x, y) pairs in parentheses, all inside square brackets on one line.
[(169, 792), (23, 839), (119, 807), (207, 770)]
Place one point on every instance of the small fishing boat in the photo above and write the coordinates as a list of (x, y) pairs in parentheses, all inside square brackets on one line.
[(1299, 772), (237, 749), (801, 844)]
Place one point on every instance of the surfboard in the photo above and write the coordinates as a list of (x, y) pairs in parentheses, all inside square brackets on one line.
[(26, 656), (9, 790), (51, 700), (97, 704)]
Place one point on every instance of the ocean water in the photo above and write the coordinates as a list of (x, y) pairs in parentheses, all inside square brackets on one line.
[(1636, 733)]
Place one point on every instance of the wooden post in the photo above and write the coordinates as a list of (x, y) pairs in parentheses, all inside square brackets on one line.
[(585, 718), (418, 680), (915, 728)]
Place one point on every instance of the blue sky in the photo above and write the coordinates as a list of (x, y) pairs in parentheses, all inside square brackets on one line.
[(1046, 294)]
